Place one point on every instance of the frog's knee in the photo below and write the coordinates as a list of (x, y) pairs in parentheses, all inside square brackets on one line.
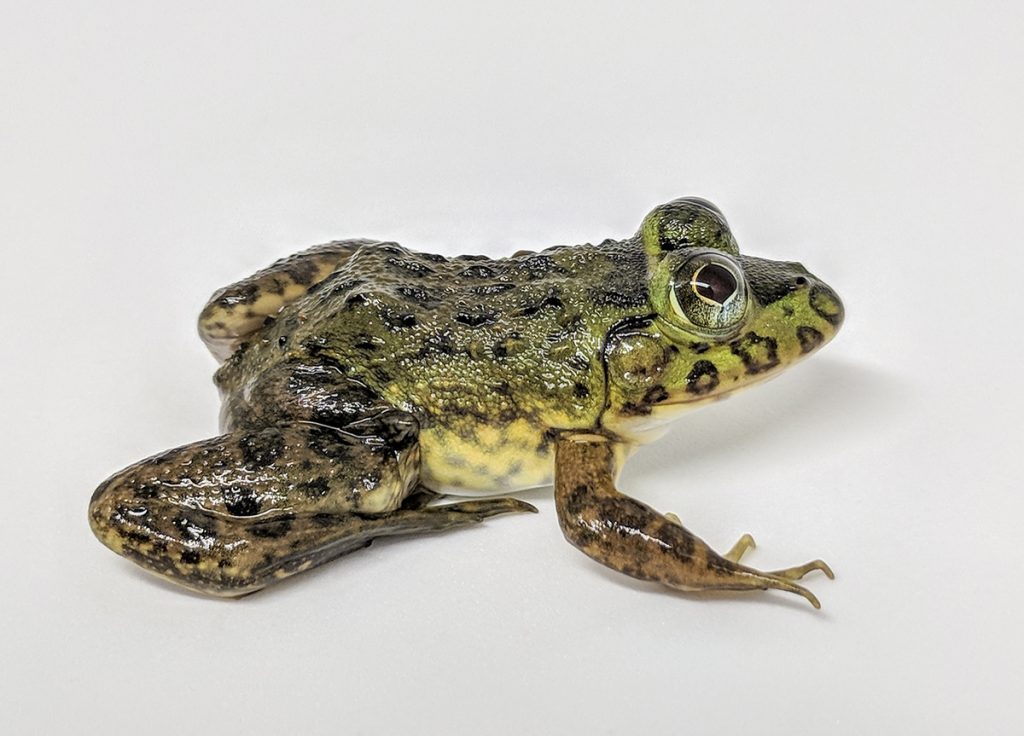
[(113, 510), (182, 544)]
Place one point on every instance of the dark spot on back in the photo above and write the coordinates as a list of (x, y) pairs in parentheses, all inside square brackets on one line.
[(336, 285), (437, 343), (551, 302), (503, 347), (399, 321), (535, 267), (355, 300), (491, 289), (409, 266), (619, 299), (476, 320), (478, 272), (416, 294)]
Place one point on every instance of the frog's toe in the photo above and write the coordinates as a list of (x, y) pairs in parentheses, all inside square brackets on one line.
[(743, 545), (798, 572), (485, 508)]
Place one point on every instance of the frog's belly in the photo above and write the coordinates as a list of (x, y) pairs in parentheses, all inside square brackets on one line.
[(487, 460)]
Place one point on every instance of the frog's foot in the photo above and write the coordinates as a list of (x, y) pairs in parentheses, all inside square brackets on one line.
[(633, 538), (233, 514), (798, 572), (746, 543)]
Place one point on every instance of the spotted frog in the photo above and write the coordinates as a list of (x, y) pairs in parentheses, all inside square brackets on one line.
[(363, 383)]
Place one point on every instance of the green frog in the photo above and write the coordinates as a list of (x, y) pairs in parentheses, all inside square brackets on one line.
[(362, 383)]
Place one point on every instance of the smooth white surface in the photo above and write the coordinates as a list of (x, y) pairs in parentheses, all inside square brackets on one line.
[(153, 152)]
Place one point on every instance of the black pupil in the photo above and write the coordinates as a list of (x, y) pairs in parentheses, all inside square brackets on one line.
[(715, 283)]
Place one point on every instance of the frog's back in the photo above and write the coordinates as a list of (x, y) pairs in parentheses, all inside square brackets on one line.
[(486, 353)]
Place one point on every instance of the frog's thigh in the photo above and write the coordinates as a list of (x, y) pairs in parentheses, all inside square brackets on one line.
[(230, 515), (238, 310), (633, 538)]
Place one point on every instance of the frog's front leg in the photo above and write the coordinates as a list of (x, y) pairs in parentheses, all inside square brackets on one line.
[(633, 538), (232, 514)]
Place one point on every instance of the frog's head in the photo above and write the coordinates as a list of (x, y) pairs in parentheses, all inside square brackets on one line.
[(721, 321)]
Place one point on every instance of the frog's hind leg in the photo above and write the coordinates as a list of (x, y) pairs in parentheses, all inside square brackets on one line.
[(237, 311), (233, 514), (633, 538)]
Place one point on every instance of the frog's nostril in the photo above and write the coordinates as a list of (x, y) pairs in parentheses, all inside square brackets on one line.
[(801, 281)]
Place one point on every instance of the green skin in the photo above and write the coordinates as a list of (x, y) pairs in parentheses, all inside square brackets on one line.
[(361, 381)]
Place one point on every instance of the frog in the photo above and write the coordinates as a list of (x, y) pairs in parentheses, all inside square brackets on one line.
[(370, 391)]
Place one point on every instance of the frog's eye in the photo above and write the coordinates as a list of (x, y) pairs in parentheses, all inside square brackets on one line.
[(714, 283), (709, 292)]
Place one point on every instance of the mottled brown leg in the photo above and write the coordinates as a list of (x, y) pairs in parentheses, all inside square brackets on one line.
[(631, 537), (230, 515)]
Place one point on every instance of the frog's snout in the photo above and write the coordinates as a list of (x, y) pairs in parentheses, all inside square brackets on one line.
[(823, 299)]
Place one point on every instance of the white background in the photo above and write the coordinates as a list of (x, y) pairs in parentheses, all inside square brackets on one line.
[(153, 152)]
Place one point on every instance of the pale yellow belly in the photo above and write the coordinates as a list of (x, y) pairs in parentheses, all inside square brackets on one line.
[(486, 461)]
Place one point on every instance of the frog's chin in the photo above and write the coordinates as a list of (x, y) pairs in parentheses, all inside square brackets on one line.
[(642, 429)]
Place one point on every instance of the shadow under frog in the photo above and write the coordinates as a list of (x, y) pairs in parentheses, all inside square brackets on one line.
[(363, 382)]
